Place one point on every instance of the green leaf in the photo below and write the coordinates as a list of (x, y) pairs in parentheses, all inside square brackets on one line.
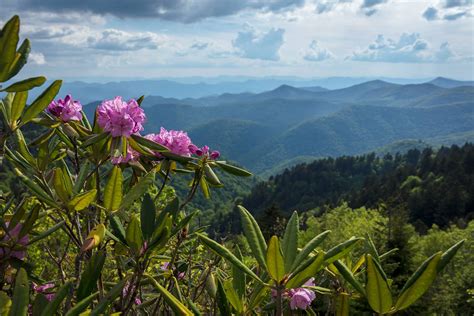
[(449, 254), (25, 85), (46, 233), (290, 241), (30, 221), (238, 277), (236, 171), (342, 304), (147, 216), (82, 200), (341, 250), (138, 190), (94, 139), (348, 276), (18, 105), (205, 188), (226, 254), (113, 190), (222, 302), (58, 184), (172, 301), (81, 305), (377, 289), (308, 248), (36, 189), (9, 37), (41, 102), (254, 236), (419, 282), (233, 297), (211, 177), (5, 304), (19, 61), (81, 177), (39, 304), (134, 234), (299, 278), (89, 277), (275, 263), (109, 298), (149, 143), (117, 228), (21, 294), (53, 305)]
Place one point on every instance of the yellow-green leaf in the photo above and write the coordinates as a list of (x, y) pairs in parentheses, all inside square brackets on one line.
[(275, 263), (41, 102), (21, 296), (377, 289), (172, 301), (82, 200), (113, 190)]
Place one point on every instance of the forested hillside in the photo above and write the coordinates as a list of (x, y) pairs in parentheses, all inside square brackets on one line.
[(432, 187)]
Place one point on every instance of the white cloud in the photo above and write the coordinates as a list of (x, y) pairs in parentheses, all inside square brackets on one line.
[(317, 53), (449, 10), (254, 45), (36, 58), (117, 40)]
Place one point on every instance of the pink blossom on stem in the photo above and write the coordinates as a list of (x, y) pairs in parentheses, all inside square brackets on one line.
[(43, 289), (301, 297), (132, 155), (204, 151), (178, 142), (120, 118), (67, 109)]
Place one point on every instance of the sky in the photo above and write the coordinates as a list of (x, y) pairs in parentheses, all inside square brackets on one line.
[(95, 40)]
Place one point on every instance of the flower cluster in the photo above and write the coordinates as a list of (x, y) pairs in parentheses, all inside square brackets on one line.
[(301, 297), (44, 290), (178, 142), (204, 151), (132, 155), (67, 109), (120, 118)]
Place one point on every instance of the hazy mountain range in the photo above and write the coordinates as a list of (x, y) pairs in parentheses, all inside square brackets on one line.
[(288, 124)]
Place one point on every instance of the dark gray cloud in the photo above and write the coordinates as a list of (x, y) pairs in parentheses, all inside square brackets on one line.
[(48, 32), (265, 46), (175, 10), (456, 3), (371, 3), (323, 6)]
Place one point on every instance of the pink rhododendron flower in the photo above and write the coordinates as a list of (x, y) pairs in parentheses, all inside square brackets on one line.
[(67, 109), (178, 142), (301, 297), (12, 236), (204, 151), (132, 155), (120, 118), (127, 290)]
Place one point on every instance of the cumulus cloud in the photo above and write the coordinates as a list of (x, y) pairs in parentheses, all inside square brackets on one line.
[(117, 40), (369, 7), (317, 53), (199, 45), (449, 10), (176, 10), (48, 32), (410, 48), (37, 58), (323, 6), (254, 45)]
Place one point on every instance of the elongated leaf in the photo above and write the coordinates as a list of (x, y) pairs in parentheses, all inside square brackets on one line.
[(134, 234), (172, 301), (109, 298), (53, 305), (149, 144), (39, 304), (254, 236), (341, 250), (46, 233), (342, 305), (377, 289), (308, 248), (147, 216), (236, 171), (117, 228), (226, 254), (19, 61), (30, 221), (205, 188), (89, 277), (238, 277), (138, 190), (94, 139), (41, 102), (289, 243), (299, 278), (449, 254), (211, 176), (233, 297), (36, 189), (81, 306), (82, 200), (419, 282), (19, 103), (59, 187), (8, 41), (275, 263), (26, 84), (21, 296), (81, 177), (221, 297), (113, 190), (348, 276)]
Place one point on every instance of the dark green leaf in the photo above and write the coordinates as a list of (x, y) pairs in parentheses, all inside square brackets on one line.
[(21, 294), (147, 216), (289, 243), (41, 102), (26, 84), (254, 236), (236, 171), (89, 277)]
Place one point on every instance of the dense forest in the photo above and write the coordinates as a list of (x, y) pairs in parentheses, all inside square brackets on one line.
[(432, 187)]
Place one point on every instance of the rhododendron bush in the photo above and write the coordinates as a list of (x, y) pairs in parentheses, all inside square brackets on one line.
[(113, 239)]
